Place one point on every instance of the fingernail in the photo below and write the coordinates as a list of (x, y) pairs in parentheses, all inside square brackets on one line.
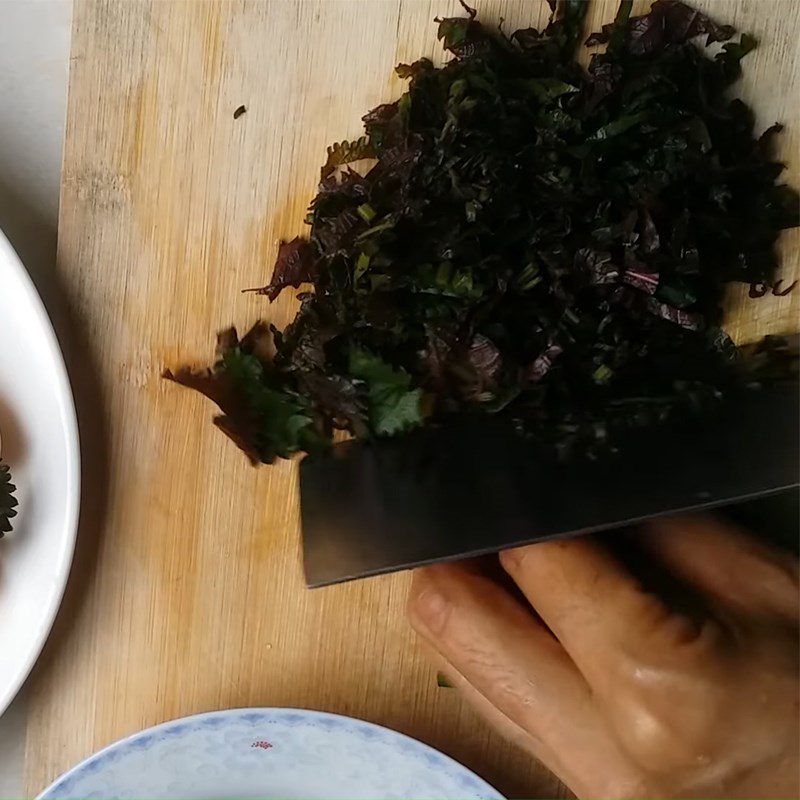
[(511, 558), (429, 609)]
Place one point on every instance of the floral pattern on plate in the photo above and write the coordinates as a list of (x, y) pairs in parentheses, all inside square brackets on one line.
[(269, 753)]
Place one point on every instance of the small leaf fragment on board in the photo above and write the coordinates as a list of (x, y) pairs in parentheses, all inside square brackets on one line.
[(443, 682)]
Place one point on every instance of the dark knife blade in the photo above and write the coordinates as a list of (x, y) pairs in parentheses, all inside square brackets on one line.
[(469, 489)]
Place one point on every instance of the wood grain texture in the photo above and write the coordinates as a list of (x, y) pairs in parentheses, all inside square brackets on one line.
[(187, 592)]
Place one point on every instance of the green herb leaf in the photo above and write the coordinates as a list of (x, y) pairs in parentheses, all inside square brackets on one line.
[(393, 406)]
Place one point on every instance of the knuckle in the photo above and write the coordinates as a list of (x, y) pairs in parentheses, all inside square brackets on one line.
[(667, 717)]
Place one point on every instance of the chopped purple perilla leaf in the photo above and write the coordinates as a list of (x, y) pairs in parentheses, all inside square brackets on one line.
[(295, 265), (520, 236), (541, 366), (645, 281), (692, 322)]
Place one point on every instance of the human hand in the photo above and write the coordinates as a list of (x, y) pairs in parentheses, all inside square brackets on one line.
[(617, 693)]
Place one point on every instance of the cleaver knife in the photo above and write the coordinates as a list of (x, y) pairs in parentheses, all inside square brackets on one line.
[(471, 488)]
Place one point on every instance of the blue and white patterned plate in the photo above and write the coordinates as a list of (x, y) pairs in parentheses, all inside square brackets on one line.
[(269, 753)]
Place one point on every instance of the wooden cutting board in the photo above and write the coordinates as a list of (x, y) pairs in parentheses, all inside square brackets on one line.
[(187, 592)]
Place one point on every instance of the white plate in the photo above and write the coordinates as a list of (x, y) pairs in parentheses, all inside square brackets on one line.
[(269, 753), (40, 442)]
